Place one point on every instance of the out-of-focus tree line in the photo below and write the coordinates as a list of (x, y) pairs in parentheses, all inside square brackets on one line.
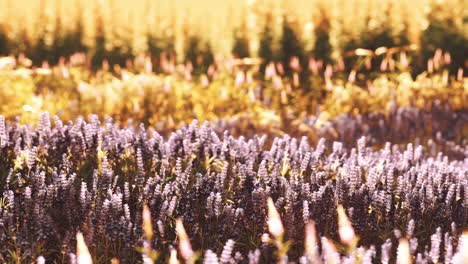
[(329, 33)]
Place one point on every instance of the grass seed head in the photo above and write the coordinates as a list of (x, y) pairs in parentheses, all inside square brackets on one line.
[(82, 253), (147, 226), (345, 230), (311, 241), (275, 226), (173, 258), (403, 252), (185, 247), (462, 253)]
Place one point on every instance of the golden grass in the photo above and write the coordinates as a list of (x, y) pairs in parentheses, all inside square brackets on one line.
[(165, 101), (215, 20)]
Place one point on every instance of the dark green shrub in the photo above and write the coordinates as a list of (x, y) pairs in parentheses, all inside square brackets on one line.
[(290, 44), (322, 48), (265, 51), (4, 41), (444, 33), (199, 53), (240, 48)]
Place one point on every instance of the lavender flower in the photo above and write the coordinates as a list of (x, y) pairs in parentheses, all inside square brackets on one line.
[(226, 254), (84, 176)]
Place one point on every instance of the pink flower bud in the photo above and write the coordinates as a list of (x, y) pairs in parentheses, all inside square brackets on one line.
[(383, 65), (185, 247), (352, 76), (240, 78), (310, 242), (430, 66), (173, 258), (345, 230), (82, 252), (270, 71), (328, 71), (313, 67), (275, 226), (403, 252), (404, 60), (460, 74), (295, 64), (447, 58), (147, 226)]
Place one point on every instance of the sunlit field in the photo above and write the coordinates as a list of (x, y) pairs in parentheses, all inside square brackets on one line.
[(133, 28), (233, 131), (216, 21)]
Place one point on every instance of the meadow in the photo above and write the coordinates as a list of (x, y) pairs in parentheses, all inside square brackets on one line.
[(117, 30), (268, 132)]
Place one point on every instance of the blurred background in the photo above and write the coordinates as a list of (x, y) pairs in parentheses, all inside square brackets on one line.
[(260, 65), (381, 73), (45, 30)]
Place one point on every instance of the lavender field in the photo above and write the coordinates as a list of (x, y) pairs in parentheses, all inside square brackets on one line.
[(233, 132), (235, 199)]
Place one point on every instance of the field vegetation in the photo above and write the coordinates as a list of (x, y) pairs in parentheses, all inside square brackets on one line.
[(233, 132)]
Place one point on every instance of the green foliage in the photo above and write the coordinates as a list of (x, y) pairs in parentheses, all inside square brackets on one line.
[(99, 43), (52, 39), (22, 44), (322, 48), (4, 40), (199, 53), (290, 44), (69, 42), (443, 33), (240, 48), (265, 51), (157, 45)]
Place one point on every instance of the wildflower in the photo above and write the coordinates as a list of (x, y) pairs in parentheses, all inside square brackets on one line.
[(403, 252), (345, 230), (240, 78), (462, 252), (275, 226), (310, 242), (185, 247), (40, 260), (147, 225), (82, 252), (173, 257), (227, 251), (210, 257), (352, 76)]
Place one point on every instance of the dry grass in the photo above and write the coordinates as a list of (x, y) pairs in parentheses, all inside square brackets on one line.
[(215, 20)]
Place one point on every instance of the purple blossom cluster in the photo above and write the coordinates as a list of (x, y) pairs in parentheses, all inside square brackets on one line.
[(400, 124), (439, 127), (95, 178)]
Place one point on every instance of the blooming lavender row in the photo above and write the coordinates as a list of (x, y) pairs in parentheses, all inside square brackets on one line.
[(95, 178), (400, 124), (438, 127)]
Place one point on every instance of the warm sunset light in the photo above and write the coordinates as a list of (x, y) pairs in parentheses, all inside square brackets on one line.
[(233, 131)]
